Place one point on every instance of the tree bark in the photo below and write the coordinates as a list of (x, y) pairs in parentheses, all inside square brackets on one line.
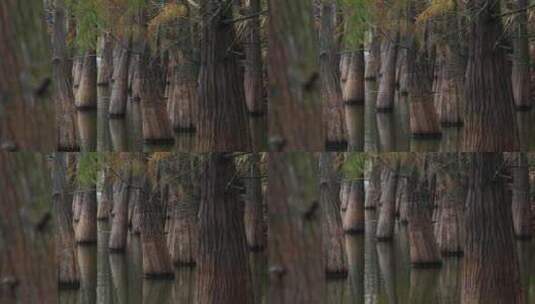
[(105, 71), (119, 222), (119, 90), (223, 269), (296, 122), (86, 96), (521, 61), (487, 278), (353, 219), (522, 221), (254, 74), (387, 83), (255, 226), (295, 257), (490, 124), (385, 223), (86, 228)]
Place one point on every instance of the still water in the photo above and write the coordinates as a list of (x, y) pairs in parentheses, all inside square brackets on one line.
[(379, 272)]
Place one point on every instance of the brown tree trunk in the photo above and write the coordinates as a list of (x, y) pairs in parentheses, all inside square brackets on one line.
[(86, 96), (487, 278), (67, 134), (373, 63), (27, 121), (490, 124), (106, 199), (522, 221), (295, 258), (222, 117), (295, 111), (119, 91), (333, 233), (253, 76), (86, 228), (119, 223), (333, 102), (387, 83), (255, 226), (105, 70), (67, 264), (373, 190), (385, 223), (521, 61), (353, 219), (223, 269)]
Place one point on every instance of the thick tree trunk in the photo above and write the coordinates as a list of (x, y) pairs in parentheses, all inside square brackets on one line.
[(119, 223), (86, 228), (387, 83), (373, 62), (106, 199), (27, 119), (333, 233), (253, 76), (86, 96), (255, 226), (222, 123), (490, 124), (295, 111), (223, 269), (423, 247), (119, 91), (182, 103), (67, 264), (67, 134), (333, 102), (295, 258), (522, 221), (373, 189), (105, 70), (385, 223), (521, 62), (353, 219), (486, 277)]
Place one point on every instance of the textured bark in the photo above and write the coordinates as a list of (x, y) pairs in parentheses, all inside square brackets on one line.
[(253, 75), (119, 91), (223, 269), (490, 124), (105, 71), (27, 117), (333, 233), (522, 221), (353, 219), (106, 199), (86, 96), (156, 258), (385, 223), (402, 204), (119, 223), (521, 60), (222, 117), (373, 189), (255, 226), (67, 264), (333, 102), (295, 258), (489, 237), (423, 247), (353, 88), (295, 111), (67, 135), (373, 63), (86, 228), (387, 83)]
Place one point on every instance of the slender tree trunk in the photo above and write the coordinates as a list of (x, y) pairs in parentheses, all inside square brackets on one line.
[(333, 233), (222, 124), (255, 226), (490, 124), (333, 102), (27, 119), (86, 228), (296, 121), (67, 264), (522, 221), (223, 275), (253, 75), (385, 223), (387, 83), (119, 223), (295, 258), (373, 63), (486, 277), (373, 190), (86, 96), (105, 70), (353, 220), (119, 91), (106, 199)]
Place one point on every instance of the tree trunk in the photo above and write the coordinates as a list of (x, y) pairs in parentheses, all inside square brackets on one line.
[(106, 199), (373, 63), (86, 229), (521, 61), (373, 189), (223, 274), (385, 223), (119, 91), (387, 83), (333, 102), (296, 121), (353, 220), (27, 121), (423, 247), (295, 257), (67, 134), (490, 124), (487, 279), (222, 123), (255, 227), (253, 75), (333, 233), (119, 223), (86, 96), (522, 221), (67, 264), (106, 63)]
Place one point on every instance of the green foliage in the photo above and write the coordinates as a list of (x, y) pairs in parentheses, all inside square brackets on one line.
[(354, 165), (357, 15), (89, 166), (89, 20)]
